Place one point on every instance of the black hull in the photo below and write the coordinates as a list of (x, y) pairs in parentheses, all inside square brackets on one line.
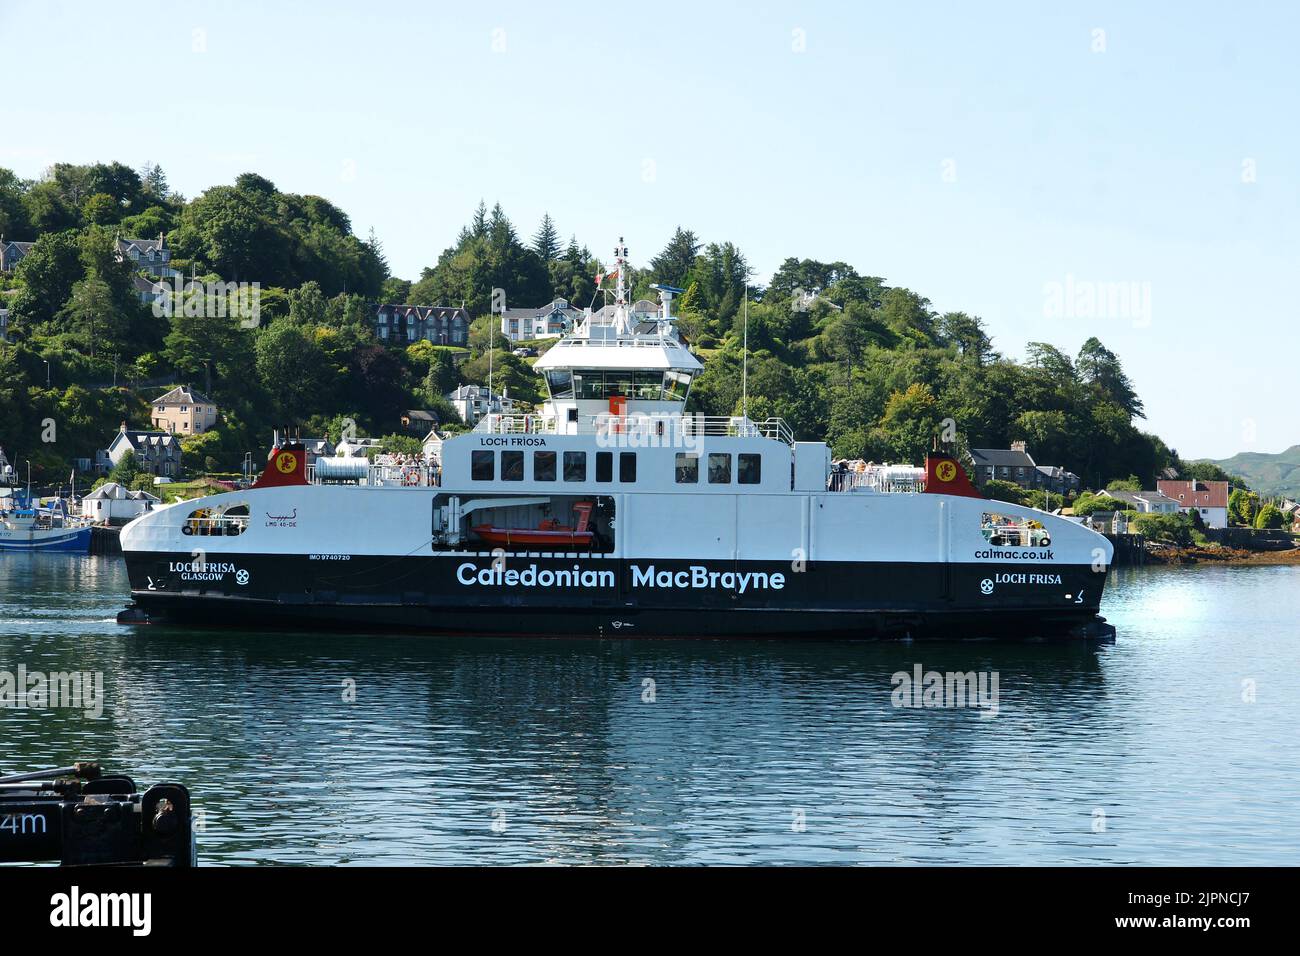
[(430, 595)]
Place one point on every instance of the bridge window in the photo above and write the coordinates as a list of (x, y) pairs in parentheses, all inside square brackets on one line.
[(560, 383), (575, 466), (512, 466), (604, 466), (750, 469), (481, 465), (688, 468), (1009, 531), (543, 466), (647, 386), (676, 385), (627, 466), (719, 469)]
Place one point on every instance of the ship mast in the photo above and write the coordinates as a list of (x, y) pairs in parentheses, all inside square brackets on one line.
[(621, 324)]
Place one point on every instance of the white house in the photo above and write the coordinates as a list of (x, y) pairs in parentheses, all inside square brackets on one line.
[(157, 453), (1209, 499), (472, 402), (1146, 502), (110, 503), (549, 321)]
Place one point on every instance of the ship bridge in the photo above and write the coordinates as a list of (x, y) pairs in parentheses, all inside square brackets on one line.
[(618, 363)]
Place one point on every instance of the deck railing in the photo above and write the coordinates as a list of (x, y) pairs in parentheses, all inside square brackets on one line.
[(655, 428), (877, 479)]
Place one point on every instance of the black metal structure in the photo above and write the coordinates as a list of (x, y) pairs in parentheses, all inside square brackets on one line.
[(80, 816)]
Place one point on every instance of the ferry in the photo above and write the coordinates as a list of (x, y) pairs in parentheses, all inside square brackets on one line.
[(614, 512)]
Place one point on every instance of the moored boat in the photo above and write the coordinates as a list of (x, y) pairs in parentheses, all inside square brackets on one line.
[(43, 529)]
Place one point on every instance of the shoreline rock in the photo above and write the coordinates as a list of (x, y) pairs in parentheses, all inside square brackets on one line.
[(1163, 554)]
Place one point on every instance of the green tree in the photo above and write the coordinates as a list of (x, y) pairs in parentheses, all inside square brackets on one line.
[(14, 223), (307, 305), (1269, 517), (546, 243), (200, 344), (93, 314), (232, 234), (126, 470), (1131, 483), (966, 334), (910, 422), (1100, 368), (1170, 529), (488, 255), (153, 183), (47, 211), (441, 378), (47, 274), (1243, 507), (291, 367), (674, 263), (101, 209), (1000, 490)]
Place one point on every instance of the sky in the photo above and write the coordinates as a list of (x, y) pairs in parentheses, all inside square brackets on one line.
[(1128, 171)]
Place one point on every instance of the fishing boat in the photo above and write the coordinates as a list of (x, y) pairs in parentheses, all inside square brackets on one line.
[(612, 510), (28, 527)]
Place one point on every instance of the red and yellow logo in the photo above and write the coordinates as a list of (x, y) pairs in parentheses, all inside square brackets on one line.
[(945, 471), (286, 462)]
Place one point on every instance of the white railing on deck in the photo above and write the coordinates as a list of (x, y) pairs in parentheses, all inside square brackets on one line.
[(653, 427), (639, 342), (887, 479)]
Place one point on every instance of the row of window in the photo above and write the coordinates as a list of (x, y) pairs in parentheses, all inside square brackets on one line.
[(483, 466), (547, 465), (456, 320), (457, 337), (749, 468)]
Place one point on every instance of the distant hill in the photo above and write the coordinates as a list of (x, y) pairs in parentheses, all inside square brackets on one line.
[(1268, 474)]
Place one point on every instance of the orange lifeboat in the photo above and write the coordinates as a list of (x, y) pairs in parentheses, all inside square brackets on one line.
[(549, 535)]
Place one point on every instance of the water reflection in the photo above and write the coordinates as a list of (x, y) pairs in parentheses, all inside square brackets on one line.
[(578, 751)]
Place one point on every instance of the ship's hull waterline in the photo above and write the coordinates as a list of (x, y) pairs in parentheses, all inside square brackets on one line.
[(567, 596)]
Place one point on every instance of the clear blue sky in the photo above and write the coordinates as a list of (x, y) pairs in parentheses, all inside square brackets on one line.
[(972, 152)]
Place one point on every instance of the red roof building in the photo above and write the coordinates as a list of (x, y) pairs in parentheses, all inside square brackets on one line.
[(1208, 498)]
